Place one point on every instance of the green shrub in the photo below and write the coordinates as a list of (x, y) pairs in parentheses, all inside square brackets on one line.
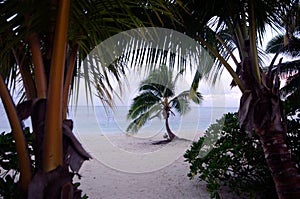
[(228, 156), (9, 169), (9, 173)]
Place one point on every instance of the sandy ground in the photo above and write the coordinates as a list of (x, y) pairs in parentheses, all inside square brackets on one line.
[(132, 167)]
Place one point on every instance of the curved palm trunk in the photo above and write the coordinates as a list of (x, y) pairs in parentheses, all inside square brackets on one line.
[(166, 114), (20, 141), (170, 133)]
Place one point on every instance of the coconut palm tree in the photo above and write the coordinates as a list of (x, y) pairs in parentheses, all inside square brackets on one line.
[(223, 26), (157, 98), (42, 46), (289, 70)]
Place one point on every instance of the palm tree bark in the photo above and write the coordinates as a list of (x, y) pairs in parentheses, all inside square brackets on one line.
[(265, 99), (53, 150), (260, 111), (170, 133), (39, 69), (278, 157), (264, 115)]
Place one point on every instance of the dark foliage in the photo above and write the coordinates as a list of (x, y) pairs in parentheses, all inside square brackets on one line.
[(9, 172), (227, 156), (9, 169), (236, 160)]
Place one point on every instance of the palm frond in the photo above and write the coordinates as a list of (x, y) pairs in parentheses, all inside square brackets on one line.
[(292, 103), (142, 103), (195, 96), (160, 76), (158, 89), (137, 123), (290, 68), (180, 104), (277, 45), (229, 20), (292, 85)]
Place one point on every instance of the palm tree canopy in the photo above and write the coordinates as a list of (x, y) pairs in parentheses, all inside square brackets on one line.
[(90, 23), (277, 45), (289, 45), (156, 94), (224, 26)]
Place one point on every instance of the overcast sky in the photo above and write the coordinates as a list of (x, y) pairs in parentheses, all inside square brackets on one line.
[(219, 95)]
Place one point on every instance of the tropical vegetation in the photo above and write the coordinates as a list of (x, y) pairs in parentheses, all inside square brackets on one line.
[(290, 92), (223, 26), (157, 98), (44, 42), (227, 158), (42, 46), (226, 164)]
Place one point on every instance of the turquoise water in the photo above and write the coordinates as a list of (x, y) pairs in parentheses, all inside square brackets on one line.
[(98, 119)]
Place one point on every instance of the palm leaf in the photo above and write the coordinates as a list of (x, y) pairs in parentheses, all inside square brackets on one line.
[(137, 123), (277, 45), (181, 105), (142, 103), (158, 89)]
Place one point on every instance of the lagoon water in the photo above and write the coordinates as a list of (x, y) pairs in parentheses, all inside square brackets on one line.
[(99, 119), (106, 121)]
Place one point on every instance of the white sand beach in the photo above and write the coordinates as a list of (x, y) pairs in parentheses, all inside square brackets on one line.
[(132, 167), (126, 167)]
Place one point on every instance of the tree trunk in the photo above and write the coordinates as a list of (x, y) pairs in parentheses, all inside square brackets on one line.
[(20, 141), (53, 151), (268, 125), (260, 111), (278, 157), (170, 133), (57, 183)]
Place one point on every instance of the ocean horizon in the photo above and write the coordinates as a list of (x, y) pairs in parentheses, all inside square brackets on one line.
[(100, 119)]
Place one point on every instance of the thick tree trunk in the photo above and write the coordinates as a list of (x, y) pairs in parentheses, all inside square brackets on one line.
[(53, 151), (260, 111), (283, 170), (59, 182)]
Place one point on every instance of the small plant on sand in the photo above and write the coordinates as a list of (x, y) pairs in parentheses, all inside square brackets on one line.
[(157, 98)]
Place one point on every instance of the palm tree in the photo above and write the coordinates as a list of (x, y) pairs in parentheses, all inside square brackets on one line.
[(223, 26), (290, 92), (42, 46), (289, 70), (157, 98)]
